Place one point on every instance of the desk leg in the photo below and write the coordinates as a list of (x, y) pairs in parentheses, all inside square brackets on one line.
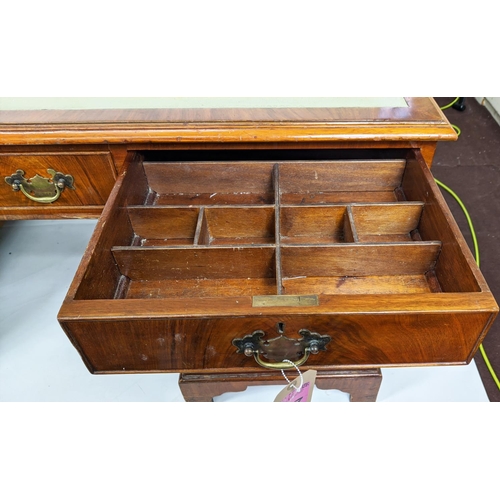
[(460, 104), (362, 385)]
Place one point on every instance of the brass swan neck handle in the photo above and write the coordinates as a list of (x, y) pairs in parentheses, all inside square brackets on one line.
[(39, 189)]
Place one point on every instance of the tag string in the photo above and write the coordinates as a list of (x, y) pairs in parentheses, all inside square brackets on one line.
[(300, 373)]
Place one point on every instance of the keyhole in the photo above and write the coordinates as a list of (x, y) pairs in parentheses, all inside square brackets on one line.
[(281, 328)]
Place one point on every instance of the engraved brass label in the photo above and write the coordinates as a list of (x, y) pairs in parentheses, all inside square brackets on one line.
[(285, 301)]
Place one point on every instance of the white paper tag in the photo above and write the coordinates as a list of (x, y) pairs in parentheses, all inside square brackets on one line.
[(294, 393)]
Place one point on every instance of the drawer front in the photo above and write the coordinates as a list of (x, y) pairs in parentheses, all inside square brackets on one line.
[(188, 345), (93, 177)]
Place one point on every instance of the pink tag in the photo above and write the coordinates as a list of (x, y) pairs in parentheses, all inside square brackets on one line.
[(301, 396), (291, 394)]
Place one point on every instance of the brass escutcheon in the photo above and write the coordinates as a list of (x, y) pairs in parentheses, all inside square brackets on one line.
[(40, 189)]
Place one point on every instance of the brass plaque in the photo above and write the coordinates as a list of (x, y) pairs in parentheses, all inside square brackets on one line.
[(285, 301)]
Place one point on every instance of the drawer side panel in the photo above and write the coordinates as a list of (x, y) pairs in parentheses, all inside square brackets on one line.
[(456, 269)]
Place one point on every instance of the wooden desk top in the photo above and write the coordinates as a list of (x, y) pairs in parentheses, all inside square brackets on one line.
[(282, 120)]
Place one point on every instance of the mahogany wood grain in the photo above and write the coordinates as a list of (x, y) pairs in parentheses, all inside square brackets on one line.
[(339, 197), (417, 109), (277, 226), (121, 155), (359, 260), (214, 199), (164, 223), (428, 151), (192, 288), (44, 213), (420, 121), (349, 176), (277, 151), (350, 231), (142, 264), (362, 386), (89, 309), (98, 276), (189, 345), (91, 165), (234, 132), (202, 235), (179, 242), (352, 223), (312, 224), (386, 222), (210, 178), (243, 225), (456, 269), (358, 285), (93, 172), (100, 266), (123, 132)]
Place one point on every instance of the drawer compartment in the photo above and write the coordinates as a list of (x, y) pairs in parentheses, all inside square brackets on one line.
[(360, 269), (188, 257), (168, 226), (210, 183), (353, 223), (181, 272), (93, 174)]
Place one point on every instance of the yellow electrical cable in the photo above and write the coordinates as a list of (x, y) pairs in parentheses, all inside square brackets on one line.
[(457, 130), (451, 104), (469, 220), (476, 250)]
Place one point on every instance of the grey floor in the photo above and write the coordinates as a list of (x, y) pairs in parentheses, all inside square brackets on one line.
[(38, 260)]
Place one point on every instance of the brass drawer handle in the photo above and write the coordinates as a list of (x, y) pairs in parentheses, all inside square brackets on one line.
[(40, 189), (283, 365), (281, 348)]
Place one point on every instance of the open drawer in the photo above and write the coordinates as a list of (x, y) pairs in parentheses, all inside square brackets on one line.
[(334, 264)]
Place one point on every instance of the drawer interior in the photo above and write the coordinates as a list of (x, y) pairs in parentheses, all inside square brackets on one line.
[(231, 229)]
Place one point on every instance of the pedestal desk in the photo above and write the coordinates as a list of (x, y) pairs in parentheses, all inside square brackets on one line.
[(239, 234)]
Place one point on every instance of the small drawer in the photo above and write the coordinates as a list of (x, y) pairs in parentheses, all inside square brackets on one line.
[(92, 173), (188, 260)]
